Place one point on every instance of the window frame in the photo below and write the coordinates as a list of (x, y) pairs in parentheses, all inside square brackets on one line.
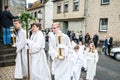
[(100, 25), (59, 4), (74, 5), (105, 3), (67, 2)]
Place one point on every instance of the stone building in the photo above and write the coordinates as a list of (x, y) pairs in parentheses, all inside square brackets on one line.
[(43, 12), (70, 13), (90, 16), (17, 6), (103, 17)]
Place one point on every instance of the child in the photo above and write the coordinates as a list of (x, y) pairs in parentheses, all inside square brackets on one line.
[(77, 63), (92, 59)]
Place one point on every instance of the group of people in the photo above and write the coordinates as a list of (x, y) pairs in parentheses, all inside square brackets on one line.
[(76, 37), (107, 44), (68, 58)]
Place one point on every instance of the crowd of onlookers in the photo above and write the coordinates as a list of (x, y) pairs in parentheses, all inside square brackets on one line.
[(77, 37)]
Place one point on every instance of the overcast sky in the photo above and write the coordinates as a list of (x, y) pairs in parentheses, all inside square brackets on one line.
[(31, 1)]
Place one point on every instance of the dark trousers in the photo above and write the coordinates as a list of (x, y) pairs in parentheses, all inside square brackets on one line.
[(96, 44), (109, 49)]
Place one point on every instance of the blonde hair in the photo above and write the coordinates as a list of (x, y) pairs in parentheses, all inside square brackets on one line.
[(93, 47), (56, 23)]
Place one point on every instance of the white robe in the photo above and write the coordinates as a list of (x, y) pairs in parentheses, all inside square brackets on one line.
[(72, 45), (60, 68), (39, 69), (92, 59), (77, 65), (21, 57)]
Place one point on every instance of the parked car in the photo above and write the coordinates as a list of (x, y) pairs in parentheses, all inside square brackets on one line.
[(115, 52)]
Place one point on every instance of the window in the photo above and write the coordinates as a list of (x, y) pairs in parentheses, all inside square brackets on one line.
[(75, 5), (35, 14), (103, 2), (59, 8), (66, 6), (103, 24)]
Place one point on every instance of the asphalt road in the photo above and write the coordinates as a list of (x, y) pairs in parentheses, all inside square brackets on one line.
[(108, 68)]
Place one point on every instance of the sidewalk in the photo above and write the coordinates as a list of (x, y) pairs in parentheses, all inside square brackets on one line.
[(7, 73)]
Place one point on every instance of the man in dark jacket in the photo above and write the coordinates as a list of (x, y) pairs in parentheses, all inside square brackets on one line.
[(7, 22)]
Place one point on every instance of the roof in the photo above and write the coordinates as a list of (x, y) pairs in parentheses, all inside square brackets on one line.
[(37, 4)]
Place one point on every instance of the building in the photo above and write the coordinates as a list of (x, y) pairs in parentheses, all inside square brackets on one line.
[(103, 17), (48, 13), (17, 6), (70, 13), (38, 11), (43, 13), (90, 16)]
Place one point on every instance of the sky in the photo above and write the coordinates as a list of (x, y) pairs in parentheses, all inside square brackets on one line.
[(31, 1)]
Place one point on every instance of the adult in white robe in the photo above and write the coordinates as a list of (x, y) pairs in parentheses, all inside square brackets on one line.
[(92, 59), (61, 68), (21, 56), (39, 69), (52, 45)]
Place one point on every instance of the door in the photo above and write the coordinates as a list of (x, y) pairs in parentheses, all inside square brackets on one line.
[(65, 26)]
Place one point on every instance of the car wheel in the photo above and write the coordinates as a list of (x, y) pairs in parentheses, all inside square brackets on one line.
[(117, 56)]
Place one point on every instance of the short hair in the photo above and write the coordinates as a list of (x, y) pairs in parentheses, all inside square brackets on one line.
[(17, 20), (6, 7), (38, 25), (57, 23)]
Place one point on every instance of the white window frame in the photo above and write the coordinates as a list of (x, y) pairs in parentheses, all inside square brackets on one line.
[(101, 26), (104, 3)]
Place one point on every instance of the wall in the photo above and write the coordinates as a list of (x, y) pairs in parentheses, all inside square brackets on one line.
[(97, 11), (48, 14)]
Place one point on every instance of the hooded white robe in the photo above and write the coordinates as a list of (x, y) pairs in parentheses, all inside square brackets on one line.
[(39, 69)]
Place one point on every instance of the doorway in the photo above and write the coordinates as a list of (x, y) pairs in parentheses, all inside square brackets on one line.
[(65, 26)]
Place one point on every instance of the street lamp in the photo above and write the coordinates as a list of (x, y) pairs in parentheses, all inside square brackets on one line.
[(39, 15)]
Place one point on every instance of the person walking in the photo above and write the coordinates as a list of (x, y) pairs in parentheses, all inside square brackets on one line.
[(92, 60), (7, 22), (21, 51), (39, 69)]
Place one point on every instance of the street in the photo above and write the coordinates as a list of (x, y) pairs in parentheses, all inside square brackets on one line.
[(108, 68)]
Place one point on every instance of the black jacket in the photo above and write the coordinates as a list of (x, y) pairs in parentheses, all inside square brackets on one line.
[(110, 42), (6, 19), (95, 38)]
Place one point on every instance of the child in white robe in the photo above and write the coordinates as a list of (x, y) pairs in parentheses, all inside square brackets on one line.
[(77, 63), (92, 60), (39, 69)]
